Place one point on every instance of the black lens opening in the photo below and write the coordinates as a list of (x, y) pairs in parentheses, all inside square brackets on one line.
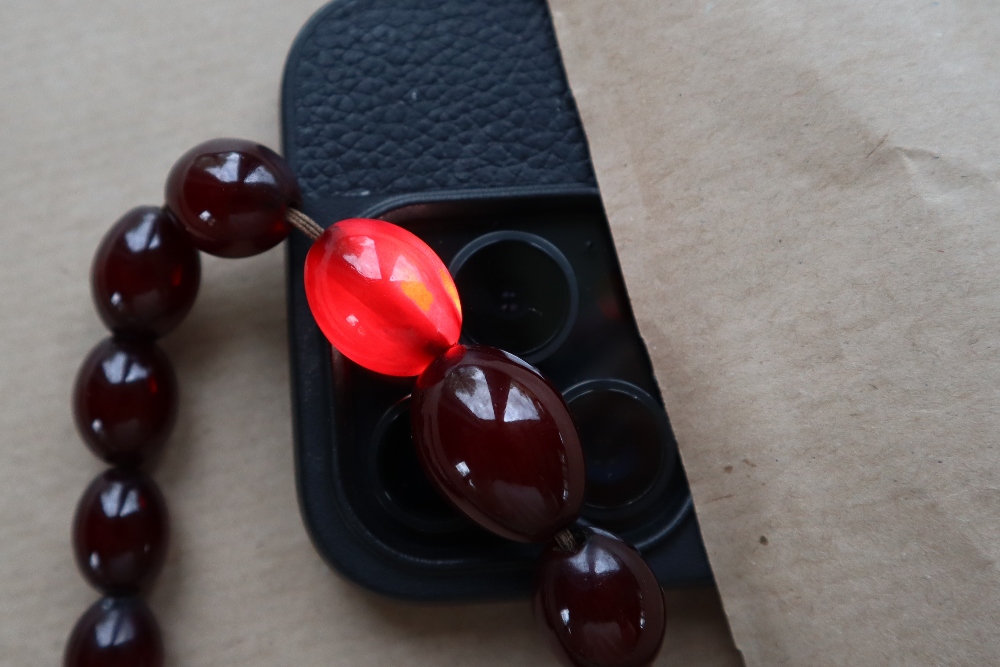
[(402, 486), (628, 446), (518, 291)]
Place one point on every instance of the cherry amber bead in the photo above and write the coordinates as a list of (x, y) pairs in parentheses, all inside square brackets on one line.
[(145, 275), (599, 604), (120, 531), (231, 195), (381, 296), (115, 632), (125, 400), (498, 440)]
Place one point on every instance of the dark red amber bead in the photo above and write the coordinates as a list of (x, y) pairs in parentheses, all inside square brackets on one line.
[(115, 632), (231, 195), (599, 604), (381, 296), (498, 440), (125, 400), (120, 531), (145, 275)]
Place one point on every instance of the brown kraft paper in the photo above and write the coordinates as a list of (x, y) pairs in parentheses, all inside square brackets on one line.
[(804, 200)]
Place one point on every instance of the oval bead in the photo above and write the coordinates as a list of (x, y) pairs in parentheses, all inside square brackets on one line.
[(231, 195), (599, 604), (115, 632), (125, 400), (381, 296), (145, 274), (120, 531), (498, 440)]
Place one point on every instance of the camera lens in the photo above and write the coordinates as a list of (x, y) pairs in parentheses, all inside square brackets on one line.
[(405, 490), (629, 448), (518, 293)]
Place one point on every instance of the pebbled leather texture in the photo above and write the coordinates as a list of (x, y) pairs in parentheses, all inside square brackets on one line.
[(391, 97)]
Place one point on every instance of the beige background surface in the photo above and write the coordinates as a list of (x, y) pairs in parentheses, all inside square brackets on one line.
[(804, 197), (97, 99)]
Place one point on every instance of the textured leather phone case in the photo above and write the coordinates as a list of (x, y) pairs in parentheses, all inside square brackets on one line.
[(416, 104), (401, 97)]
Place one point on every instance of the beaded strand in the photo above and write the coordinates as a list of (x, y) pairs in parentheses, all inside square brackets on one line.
[(493, 435)]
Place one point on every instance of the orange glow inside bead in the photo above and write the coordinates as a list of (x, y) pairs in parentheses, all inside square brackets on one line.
[(381, 296)]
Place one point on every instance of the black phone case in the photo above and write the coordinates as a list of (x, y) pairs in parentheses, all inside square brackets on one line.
[(455, 120)]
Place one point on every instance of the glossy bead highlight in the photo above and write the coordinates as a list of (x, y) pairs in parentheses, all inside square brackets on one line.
[(381, 296), (115, 632), (145, 274), (231, 195), (120, 531), (125, 400), (498, 440), (598, 603)]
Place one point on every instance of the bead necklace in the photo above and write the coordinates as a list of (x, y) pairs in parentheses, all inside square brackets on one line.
[(492, 434)]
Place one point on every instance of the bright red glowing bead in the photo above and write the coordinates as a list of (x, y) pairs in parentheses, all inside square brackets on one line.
[(381, 296)]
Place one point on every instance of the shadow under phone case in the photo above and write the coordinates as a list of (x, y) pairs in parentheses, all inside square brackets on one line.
[(454, 120)]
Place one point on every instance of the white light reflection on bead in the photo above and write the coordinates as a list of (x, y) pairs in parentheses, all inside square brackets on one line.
[(364, 259), (104, 632), (564, 615), (519, 406), (126, 632), (594, 561), (604, 563), (228, 172), (115, 630), (117, 369), (138, 238), (474, 392), (260, 175), (135, 373), (462, 468), (114, 368), (404, 271), (131, 504), (111, 499), (113, 505)]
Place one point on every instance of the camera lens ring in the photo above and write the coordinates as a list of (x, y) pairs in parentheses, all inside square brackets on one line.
[(382, 438), (656, 421), (547, 249)]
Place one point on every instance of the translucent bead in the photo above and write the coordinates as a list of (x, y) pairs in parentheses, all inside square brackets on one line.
[(381, 296), (120, 531), (231, 195), (145, 274), (598, 603), (125, 400), (115, 632), (498, 440)]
